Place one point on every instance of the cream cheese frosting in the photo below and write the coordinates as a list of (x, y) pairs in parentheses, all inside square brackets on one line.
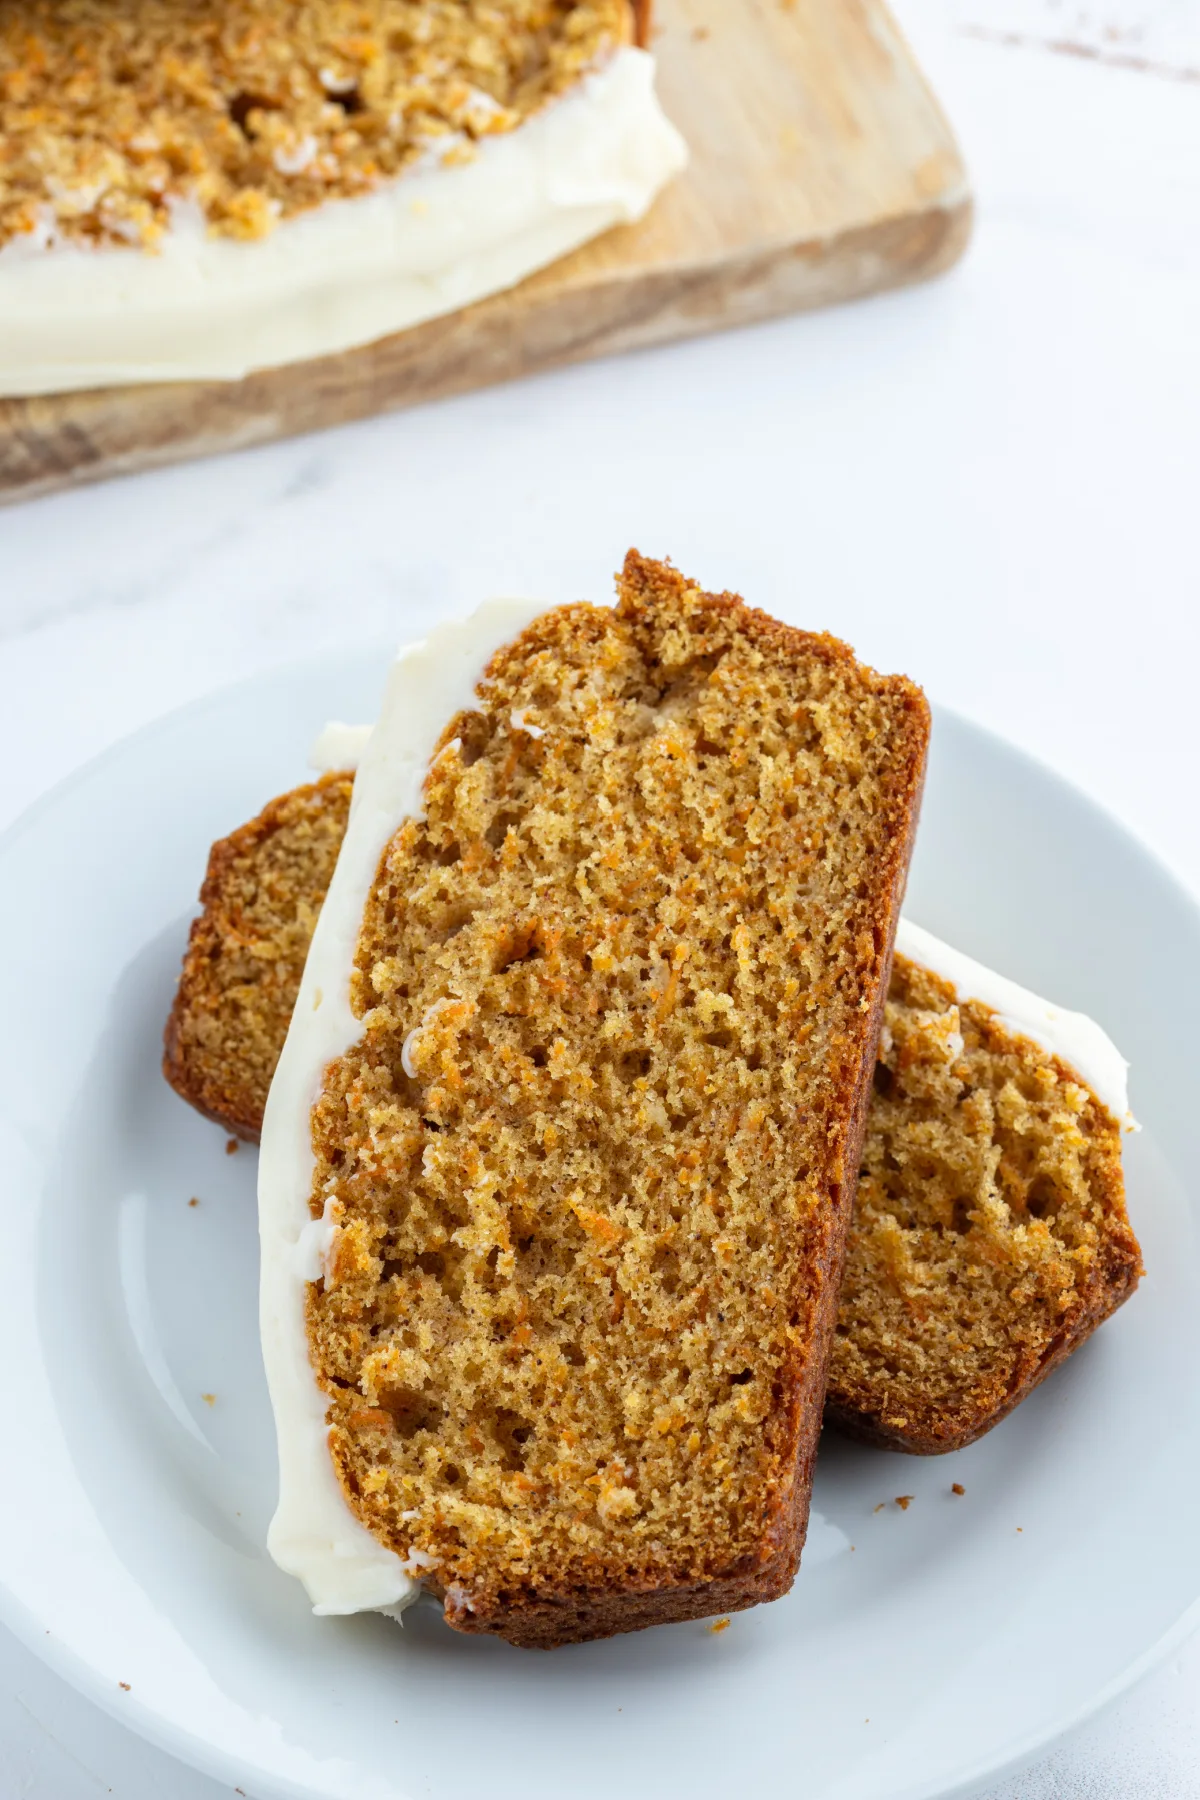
[(314, 1534), (1071, 1036), (338, 748), (350, 271)]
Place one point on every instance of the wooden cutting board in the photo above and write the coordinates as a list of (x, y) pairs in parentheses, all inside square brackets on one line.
[(821, 169)]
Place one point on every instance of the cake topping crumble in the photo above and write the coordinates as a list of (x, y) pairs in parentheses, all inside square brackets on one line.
[(114, 114)]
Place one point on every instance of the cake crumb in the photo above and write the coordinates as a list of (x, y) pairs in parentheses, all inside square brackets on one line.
[(719, 1625), (1018, 1239), (193, 1201), (904, 1501), (125, 1685), (231, 1147), (259, 112), (957, 1487), (209, 1399), (880, 1507)]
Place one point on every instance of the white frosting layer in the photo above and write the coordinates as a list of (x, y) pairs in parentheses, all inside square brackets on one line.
[(338, 748), (1072, 1037), (349, 271), (314, 1534)]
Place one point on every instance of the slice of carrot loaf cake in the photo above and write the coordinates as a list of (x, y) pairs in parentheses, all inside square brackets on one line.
[(990, 1234), (558, 1159), (199, 188)]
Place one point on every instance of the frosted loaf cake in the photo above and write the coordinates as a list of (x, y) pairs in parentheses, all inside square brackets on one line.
[(550, 1266), (198, 188)]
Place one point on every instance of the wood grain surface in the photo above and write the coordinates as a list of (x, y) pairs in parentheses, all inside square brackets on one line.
[(821, 169)]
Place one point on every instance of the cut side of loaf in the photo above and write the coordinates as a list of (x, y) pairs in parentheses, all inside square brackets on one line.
[(990, 1234), (592, 1158), (246, 951)]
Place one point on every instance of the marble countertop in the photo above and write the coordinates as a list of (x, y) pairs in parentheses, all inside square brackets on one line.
[(988, 482)]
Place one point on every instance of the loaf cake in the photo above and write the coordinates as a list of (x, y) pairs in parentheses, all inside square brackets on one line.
[(558, 1159), (198, 188), (990, 1233)]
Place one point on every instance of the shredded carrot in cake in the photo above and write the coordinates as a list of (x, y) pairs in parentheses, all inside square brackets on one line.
[(255, 110), (990, 1227)]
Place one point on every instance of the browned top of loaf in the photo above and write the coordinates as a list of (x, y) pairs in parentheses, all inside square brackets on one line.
[(619, 989), (255, 110), (990, 1233), (261, 895)]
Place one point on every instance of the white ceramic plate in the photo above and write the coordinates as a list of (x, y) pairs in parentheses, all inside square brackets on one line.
[(921, 1652)]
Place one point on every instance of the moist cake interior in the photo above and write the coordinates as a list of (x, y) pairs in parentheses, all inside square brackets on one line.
[(615, 994), (253, 111), (989, 1224)]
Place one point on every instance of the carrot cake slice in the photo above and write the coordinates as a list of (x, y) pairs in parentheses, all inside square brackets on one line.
[(990, 1233), (200, 188), (558, 1159)]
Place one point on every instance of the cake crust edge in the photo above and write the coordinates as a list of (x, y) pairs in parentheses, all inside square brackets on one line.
[(233, 1106)]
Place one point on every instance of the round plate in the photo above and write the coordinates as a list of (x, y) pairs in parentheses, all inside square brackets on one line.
[(922, 1650)]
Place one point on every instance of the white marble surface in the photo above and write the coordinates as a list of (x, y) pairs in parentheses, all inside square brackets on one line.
[(989, 482), (1157, 36)]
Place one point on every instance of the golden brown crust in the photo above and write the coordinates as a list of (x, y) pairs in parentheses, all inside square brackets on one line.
[(937, 1435), (554, 1619), (261, 895), (575, 1439)]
